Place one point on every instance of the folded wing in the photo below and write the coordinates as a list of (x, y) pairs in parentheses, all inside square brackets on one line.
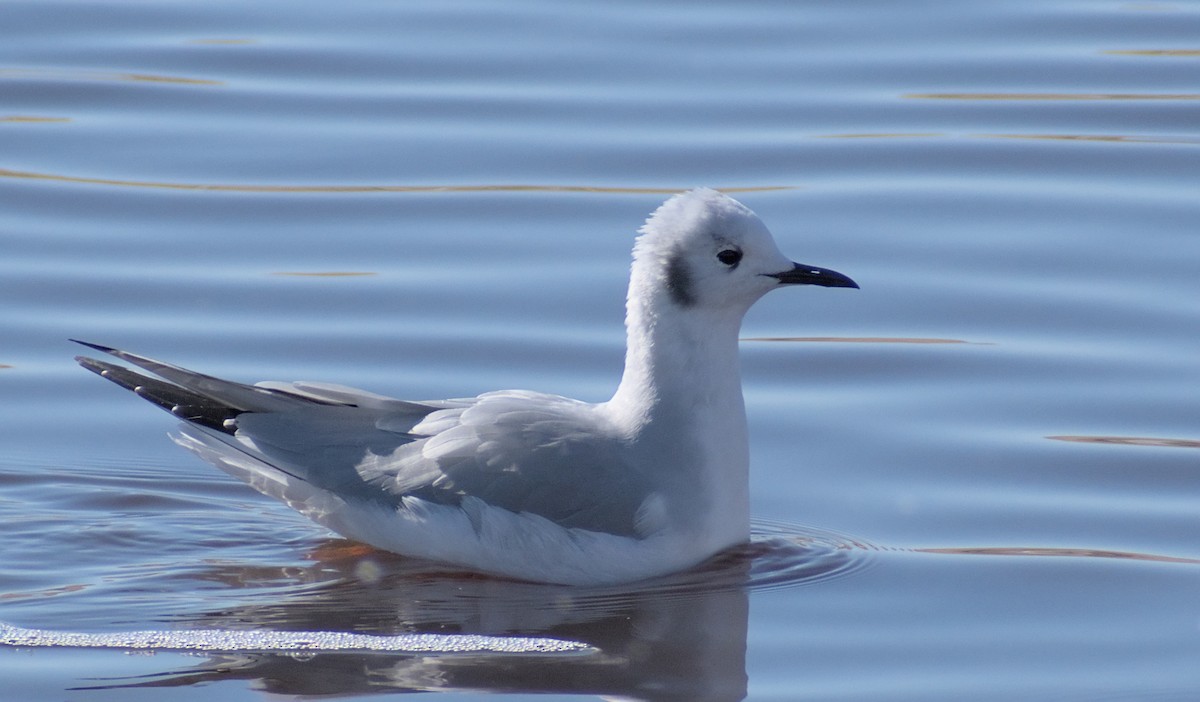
[(319, 446)]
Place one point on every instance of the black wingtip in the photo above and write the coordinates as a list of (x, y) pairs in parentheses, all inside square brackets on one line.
[(91, 364), (85, 361), (90, 345), (181, 402), (109, 371), (101, 369)]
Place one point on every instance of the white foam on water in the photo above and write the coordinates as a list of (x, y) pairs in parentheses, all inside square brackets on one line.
[(229, 641)]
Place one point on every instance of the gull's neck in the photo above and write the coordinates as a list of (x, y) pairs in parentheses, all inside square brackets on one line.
[(678, 364), (680, 404)]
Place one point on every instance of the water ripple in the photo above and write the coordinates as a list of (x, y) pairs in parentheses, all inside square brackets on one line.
[(262, 188), (86, 75), (786, 555), (1024, 97), (1057, 553), (779, 555), (1129, 441)]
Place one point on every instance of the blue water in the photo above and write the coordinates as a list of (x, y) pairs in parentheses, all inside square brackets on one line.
[(978, 477)]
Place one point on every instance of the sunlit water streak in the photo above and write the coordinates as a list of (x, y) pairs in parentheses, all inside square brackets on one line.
[(344, 189)]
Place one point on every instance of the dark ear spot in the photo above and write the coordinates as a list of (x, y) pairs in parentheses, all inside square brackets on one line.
[(679, 282)]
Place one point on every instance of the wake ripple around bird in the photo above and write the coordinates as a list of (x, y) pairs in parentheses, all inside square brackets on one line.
[(778, 556)]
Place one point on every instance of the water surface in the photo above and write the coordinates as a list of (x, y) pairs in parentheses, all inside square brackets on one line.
[(978, 477)]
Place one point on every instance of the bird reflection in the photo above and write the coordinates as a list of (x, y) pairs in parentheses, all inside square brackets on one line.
[(679, 637)]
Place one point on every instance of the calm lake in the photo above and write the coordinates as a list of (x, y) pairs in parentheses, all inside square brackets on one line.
[(978, 477)]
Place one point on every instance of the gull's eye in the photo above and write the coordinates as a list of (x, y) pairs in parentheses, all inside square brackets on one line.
[(729, 257)]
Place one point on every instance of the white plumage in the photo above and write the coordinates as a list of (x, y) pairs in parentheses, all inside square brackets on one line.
[(518, 483)]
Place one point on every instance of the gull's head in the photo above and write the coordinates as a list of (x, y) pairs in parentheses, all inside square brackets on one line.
[(705, 250)]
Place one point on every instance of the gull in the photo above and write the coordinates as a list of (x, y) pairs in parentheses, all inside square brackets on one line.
[(522, 484)]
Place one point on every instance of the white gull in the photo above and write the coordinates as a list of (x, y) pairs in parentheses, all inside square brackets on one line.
[(518, 483)]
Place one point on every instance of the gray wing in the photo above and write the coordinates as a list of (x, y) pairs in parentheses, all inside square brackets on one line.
[(519, 451), (522, 452), (528, 452)]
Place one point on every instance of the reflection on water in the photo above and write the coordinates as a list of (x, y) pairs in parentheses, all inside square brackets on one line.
[(1130, 441), (679, 637), (250, 188), (326, 274), (1188, 53), (863, 340), (1112, 138), (1107, 138), (688, 643), (44, 592), (85, 75), (1058, 553), (1053, 96), (913, 135), (33, 119), (223, 42)]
